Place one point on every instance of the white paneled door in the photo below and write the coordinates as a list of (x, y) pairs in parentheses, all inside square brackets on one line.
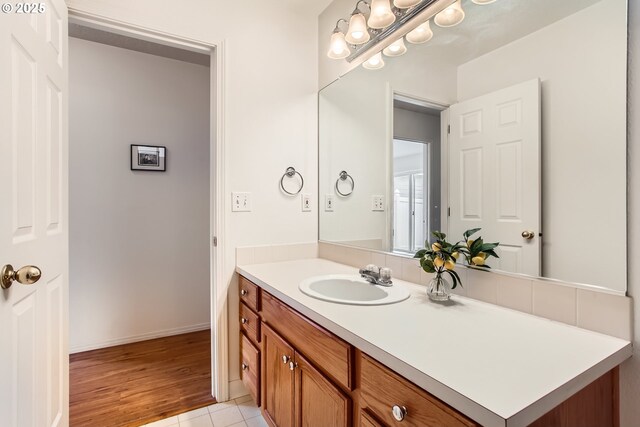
[(494, 170), (33, 213)]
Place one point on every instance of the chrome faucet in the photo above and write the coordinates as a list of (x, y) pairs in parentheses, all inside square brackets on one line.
[(376, 275)]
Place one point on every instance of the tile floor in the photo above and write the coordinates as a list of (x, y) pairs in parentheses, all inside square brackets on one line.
[(242, 412)]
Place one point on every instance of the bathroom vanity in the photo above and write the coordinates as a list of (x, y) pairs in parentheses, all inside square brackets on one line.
[(415, 363)]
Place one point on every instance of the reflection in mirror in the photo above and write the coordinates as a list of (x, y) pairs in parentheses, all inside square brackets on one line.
[(513, 121)]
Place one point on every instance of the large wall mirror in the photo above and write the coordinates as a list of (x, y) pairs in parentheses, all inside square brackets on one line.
[(513, 121)]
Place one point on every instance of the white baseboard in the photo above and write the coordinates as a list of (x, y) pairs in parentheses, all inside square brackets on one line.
[(141, 337), (237, 389)]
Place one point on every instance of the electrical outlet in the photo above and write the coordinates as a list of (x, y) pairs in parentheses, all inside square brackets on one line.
[(306, 202), (328, 203), (240, 202), (377, 203)]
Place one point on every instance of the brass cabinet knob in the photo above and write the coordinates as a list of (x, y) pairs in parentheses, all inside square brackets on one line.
[(528, 234), (245, 366), (399, 412), (292, 366), (244, 321), (243, 292), (285, 359), (27, 275)]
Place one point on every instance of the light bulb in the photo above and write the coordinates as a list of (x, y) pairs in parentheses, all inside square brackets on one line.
[(451, 16), (396, 48), (375, 62), (406, 4), (338, 48), (483, 1), (421, 34), (381, 14), (357, 32)]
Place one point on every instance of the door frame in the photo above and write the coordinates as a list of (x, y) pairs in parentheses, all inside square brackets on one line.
[(217, 203)]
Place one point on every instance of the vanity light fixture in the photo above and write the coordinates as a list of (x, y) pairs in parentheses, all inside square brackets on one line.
[(358, 33), (338, 48), (375, 62), (381, 14), (406, 4), (396, 48), (420, 34), (483, 1), (451, 16)]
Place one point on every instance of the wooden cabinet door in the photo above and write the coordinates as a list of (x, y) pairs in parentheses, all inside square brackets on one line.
[(277, 379), (317, 401)]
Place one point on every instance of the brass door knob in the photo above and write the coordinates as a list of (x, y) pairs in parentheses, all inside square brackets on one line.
[(528, 234), (27, 275)]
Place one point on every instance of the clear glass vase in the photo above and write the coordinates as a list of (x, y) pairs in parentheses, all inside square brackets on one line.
[(439, 288)]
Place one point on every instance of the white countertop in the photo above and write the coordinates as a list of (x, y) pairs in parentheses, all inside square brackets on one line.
[(497, 366)]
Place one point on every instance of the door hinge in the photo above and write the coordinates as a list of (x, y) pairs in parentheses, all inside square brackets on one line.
[(448, 211), (449, 129), (214, 241)]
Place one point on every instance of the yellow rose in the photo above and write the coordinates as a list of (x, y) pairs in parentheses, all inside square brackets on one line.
[(477, 260), (438, 262), (436, 247), (449, 265), (483, 255), (456, 255)]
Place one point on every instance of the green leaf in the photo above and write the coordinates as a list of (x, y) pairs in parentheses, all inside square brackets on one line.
[(420, 253), (475, 247), (470, 233), (427, 265), (488, 246)]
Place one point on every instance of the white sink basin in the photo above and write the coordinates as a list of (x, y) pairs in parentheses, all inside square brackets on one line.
[(351, 289)]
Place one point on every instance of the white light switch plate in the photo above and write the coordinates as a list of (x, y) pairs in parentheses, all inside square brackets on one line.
[(377, 203), (328, 203), (240, 202), (306, 202)]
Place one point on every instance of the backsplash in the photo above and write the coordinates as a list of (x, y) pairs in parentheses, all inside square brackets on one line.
[(592, 309)]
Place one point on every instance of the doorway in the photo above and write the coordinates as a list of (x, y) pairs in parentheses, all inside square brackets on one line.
[(416, 173), (135, 229)]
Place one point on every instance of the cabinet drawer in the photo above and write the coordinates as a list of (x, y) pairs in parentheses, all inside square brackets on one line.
[(330, 353), (367, 420), (250, 367), (249, 294), (381, 389), (250, 323)]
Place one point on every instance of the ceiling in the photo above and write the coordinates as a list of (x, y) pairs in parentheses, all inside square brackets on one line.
[(313, 6), (117, 40)]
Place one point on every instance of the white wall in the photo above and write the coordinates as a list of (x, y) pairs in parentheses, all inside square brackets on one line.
[(583, 81), (130, 243), (630, 372), (270, 111), (362, 152)]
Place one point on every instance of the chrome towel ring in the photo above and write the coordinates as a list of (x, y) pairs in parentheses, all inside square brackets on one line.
[(291, 172), (343, 177)]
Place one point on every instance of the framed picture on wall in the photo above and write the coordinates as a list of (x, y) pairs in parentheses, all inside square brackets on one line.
[(148, 158)]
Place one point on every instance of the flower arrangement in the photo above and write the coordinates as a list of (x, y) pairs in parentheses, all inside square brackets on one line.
[(441, 257)]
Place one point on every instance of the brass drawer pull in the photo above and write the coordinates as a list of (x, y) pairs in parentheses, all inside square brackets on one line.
[(245, 366), (244, 321), (285, 359), (399, 412), (244, 292)]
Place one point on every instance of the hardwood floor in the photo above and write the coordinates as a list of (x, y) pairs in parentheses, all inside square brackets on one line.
[(134, 384)]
